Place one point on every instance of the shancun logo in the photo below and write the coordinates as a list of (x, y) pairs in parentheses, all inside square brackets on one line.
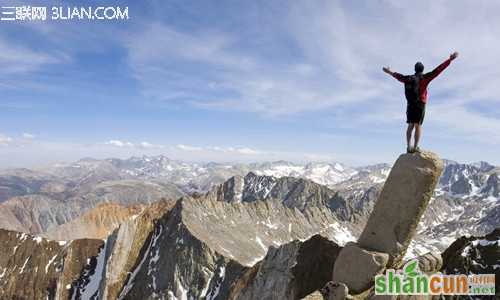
[(410, 281)]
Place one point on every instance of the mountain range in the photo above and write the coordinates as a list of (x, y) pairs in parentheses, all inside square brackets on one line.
[(102, 229), (39, 201)]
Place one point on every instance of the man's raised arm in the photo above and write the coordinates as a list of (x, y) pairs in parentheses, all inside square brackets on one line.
[(434, 73), (396, 75)]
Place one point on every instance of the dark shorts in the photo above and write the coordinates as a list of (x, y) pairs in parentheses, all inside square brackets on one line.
[(415, 114)]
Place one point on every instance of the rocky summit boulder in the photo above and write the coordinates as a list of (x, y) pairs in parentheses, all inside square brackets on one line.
[(404, 198), (390, 227), (356, 267)]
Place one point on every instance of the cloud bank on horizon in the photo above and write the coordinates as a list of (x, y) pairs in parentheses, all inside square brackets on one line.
[(219, 80)]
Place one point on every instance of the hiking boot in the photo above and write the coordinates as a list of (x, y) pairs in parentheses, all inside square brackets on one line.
[(409, 149), (417, 149)]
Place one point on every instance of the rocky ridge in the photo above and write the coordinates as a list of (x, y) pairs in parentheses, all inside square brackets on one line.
[(96, 223), (201, 246)]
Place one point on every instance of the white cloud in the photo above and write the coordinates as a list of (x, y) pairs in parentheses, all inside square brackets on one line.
[(457, 121), (355, 43), (127, 144), (28, 136), (254, 83), (120, 144), (41, 152), (188, 148), (146, 145), (18, 60), (339, 49), (16, 141), (5, 140), (230, 150), (184, 147), (341, 52), (247, 151)]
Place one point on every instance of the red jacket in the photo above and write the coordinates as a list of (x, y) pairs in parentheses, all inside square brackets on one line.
[(426, 78)]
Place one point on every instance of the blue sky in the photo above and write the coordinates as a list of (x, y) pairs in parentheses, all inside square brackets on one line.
[(248, 81)]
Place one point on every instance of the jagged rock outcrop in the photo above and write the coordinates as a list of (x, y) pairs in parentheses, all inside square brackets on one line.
[(401, 204), (290, 271), (127, 249), (392, 224), (32, 267)]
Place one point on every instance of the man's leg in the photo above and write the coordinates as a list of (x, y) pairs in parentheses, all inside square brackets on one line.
[(408, 135), (418, 129)]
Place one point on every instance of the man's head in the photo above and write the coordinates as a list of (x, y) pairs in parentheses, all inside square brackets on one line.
[(419, 67)]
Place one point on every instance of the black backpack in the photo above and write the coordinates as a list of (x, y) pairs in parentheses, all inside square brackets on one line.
[(412, 89)]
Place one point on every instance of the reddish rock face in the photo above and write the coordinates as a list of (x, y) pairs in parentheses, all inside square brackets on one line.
[(97, 223)]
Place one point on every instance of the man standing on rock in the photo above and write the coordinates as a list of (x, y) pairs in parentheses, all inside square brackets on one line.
[(416, 96)]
